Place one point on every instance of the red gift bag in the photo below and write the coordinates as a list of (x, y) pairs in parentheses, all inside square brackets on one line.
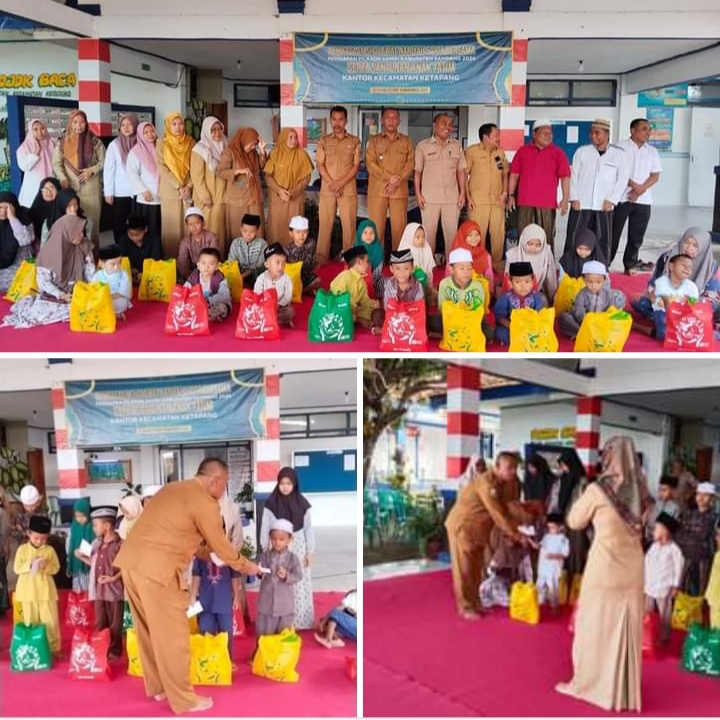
[(351, 666), (89, 655), (404, 327), (257, 319), (238, 623), (187, 312), (689, 327), (650, 633), (79, 612)]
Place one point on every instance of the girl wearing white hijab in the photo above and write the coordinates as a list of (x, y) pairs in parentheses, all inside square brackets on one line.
[(209, 188), (533, 248), (413, 239)]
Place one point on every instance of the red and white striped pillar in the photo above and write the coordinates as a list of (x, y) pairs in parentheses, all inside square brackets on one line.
[(512, 117), (72, 475), (267, 450), (94, 84), (292, 114), (587, 432), (463, 417)]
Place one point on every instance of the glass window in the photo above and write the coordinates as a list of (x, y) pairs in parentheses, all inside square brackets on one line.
[(353, 421), (294, 425), (170, 466), (547, 90), (571, 92), (593, 89), (324, 422)]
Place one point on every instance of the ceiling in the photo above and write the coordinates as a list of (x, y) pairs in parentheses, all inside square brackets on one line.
[(30, 406), (694, 404)]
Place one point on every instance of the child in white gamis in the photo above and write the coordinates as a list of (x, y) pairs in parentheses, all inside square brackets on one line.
[(554, 548)]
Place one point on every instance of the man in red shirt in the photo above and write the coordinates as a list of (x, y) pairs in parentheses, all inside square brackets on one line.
[(538, 166)]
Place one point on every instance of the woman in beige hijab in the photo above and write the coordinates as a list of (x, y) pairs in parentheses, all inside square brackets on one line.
[(131, 509), (607, 648)]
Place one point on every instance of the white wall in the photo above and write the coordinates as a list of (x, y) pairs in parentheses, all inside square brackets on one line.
[(132, 91)]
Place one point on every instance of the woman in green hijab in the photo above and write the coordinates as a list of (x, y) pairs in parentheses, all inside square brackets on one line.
[(81, 529)]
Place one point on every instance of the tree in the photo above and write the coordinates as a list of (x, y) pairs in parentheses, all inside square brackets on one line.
[(389, 386)]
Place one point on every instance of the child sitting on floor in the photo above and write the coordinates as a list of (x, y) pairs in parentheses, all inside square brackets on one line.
[(696, 539), (352, 281), (403, 286), (276, 601), (194, 242), (112, 274), (712, 594), (276, 277), (218, 590), (520, 295), (138, 245), (554, 548), (413, 239), (533, 248), (213, 283), (663, 572), (340, 621), (302, 249), (675, 287), (249, 249), (366, 235), (594, 297), (582, 251), (35, 564), (469, 237)]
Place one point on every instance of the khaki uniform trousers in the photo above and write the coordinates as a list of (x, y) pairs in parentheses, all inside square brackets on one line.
[(377, 210), (163, 635), (467, 554), (432, 215), (348, 218), (491, 219), (44, 613)]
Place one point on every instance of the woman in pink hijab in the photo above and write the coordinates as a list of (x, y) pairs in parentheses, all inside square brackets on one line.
[(34, 157), (144, 176)]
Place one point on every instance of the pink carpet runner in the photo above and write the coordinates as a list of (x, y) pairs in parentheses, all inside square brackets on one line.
[(324, 688), (421, 659), (144, 332)]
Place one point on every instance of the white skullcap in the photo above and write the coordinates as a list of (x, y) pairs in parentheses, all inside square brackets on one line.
[(29, 495), (150, 491), (460, 255), (298, 222), (541, 123), (594, 267), (706, 488), (284, 525), (194, 211)]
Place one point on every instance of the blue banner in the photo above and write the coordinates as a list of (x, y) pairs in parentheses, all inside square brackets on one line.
[(674, 96), (153, 411), (469, 68)]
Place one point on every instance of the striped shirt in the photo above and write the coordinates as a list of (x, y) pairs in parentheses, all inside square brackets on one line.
[(248, 254), (663, 569)]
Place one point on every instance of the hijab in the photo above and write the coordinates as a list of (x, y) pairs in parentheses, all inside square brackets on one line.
[(288, 166), (59, 255), (78, 149), (42, 148), (144, 151), (290, 507), (423, 256), (208, 149), (621, 479), (543, 262), (43, 210), (78, 533), (571, 262), (704, 265), (375, 250), (480, 256), (251, 161), (177, 149), (127, 142), (570, 479), (9, 245), (537, 487), (132, 508)]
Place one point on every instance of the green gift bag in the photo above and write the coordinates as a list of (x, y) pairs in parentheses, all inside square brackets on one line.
[(331, 318), (127, 617), (701, 651), (30, 649)]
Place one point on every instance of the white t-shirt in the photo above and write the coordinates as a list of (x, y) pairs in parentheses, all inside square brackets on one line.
[(350, 601), (557, 544), (644, 160), (665, 289), (663, 569)]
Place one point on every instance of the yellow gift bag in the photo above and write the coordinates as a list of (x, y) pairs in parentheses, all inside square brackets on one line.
[(131, 643), (210, 660), (686, 611), (604, 332), (566, 293), (524, 605), (532, 331), (231, 270), (563, 590), (24, 283), (17, 611), (462, 331), (277, 656), (574, 595), (125, 266), (486, 288), (294, 270), (158, 280), (91, 308)]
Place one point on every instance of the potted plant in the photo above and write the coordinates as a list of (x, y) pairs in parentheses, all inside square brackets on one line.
[(245, 498), (427, 526)]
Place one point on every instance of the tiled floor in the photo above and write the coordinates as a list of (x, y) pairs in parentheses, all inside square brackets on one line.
[(399, 569)]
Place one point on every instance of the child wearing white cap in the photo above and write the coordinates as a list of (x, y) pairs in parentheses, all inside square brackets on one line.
[(31, 505), (276, 601), (194, 242), (696, 539), (596, 296), (301, 248)]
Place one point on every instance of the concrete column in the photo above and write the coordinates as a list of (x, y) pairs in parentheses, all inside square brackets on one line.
[(587, 432), (463, 417), (292, 114), (267, 450), (512, 118), (94, 84)]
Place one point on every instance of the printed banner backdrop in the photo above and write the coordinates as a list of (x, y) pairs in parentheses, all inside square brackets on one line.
[(661, 122), (675, 96), (470, 68), (152, 411)]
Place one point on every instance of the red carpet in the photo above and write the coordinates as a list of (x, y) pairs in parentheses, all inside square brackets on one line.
[(421, 659), (324, 688), (143, 332)]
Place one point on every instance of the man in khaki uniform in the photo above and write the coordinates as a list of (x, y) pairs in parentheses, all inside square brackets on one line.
[(440, 181), (153, 561), (389, 160), (481, 506), (338, 160), (488, 171)]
